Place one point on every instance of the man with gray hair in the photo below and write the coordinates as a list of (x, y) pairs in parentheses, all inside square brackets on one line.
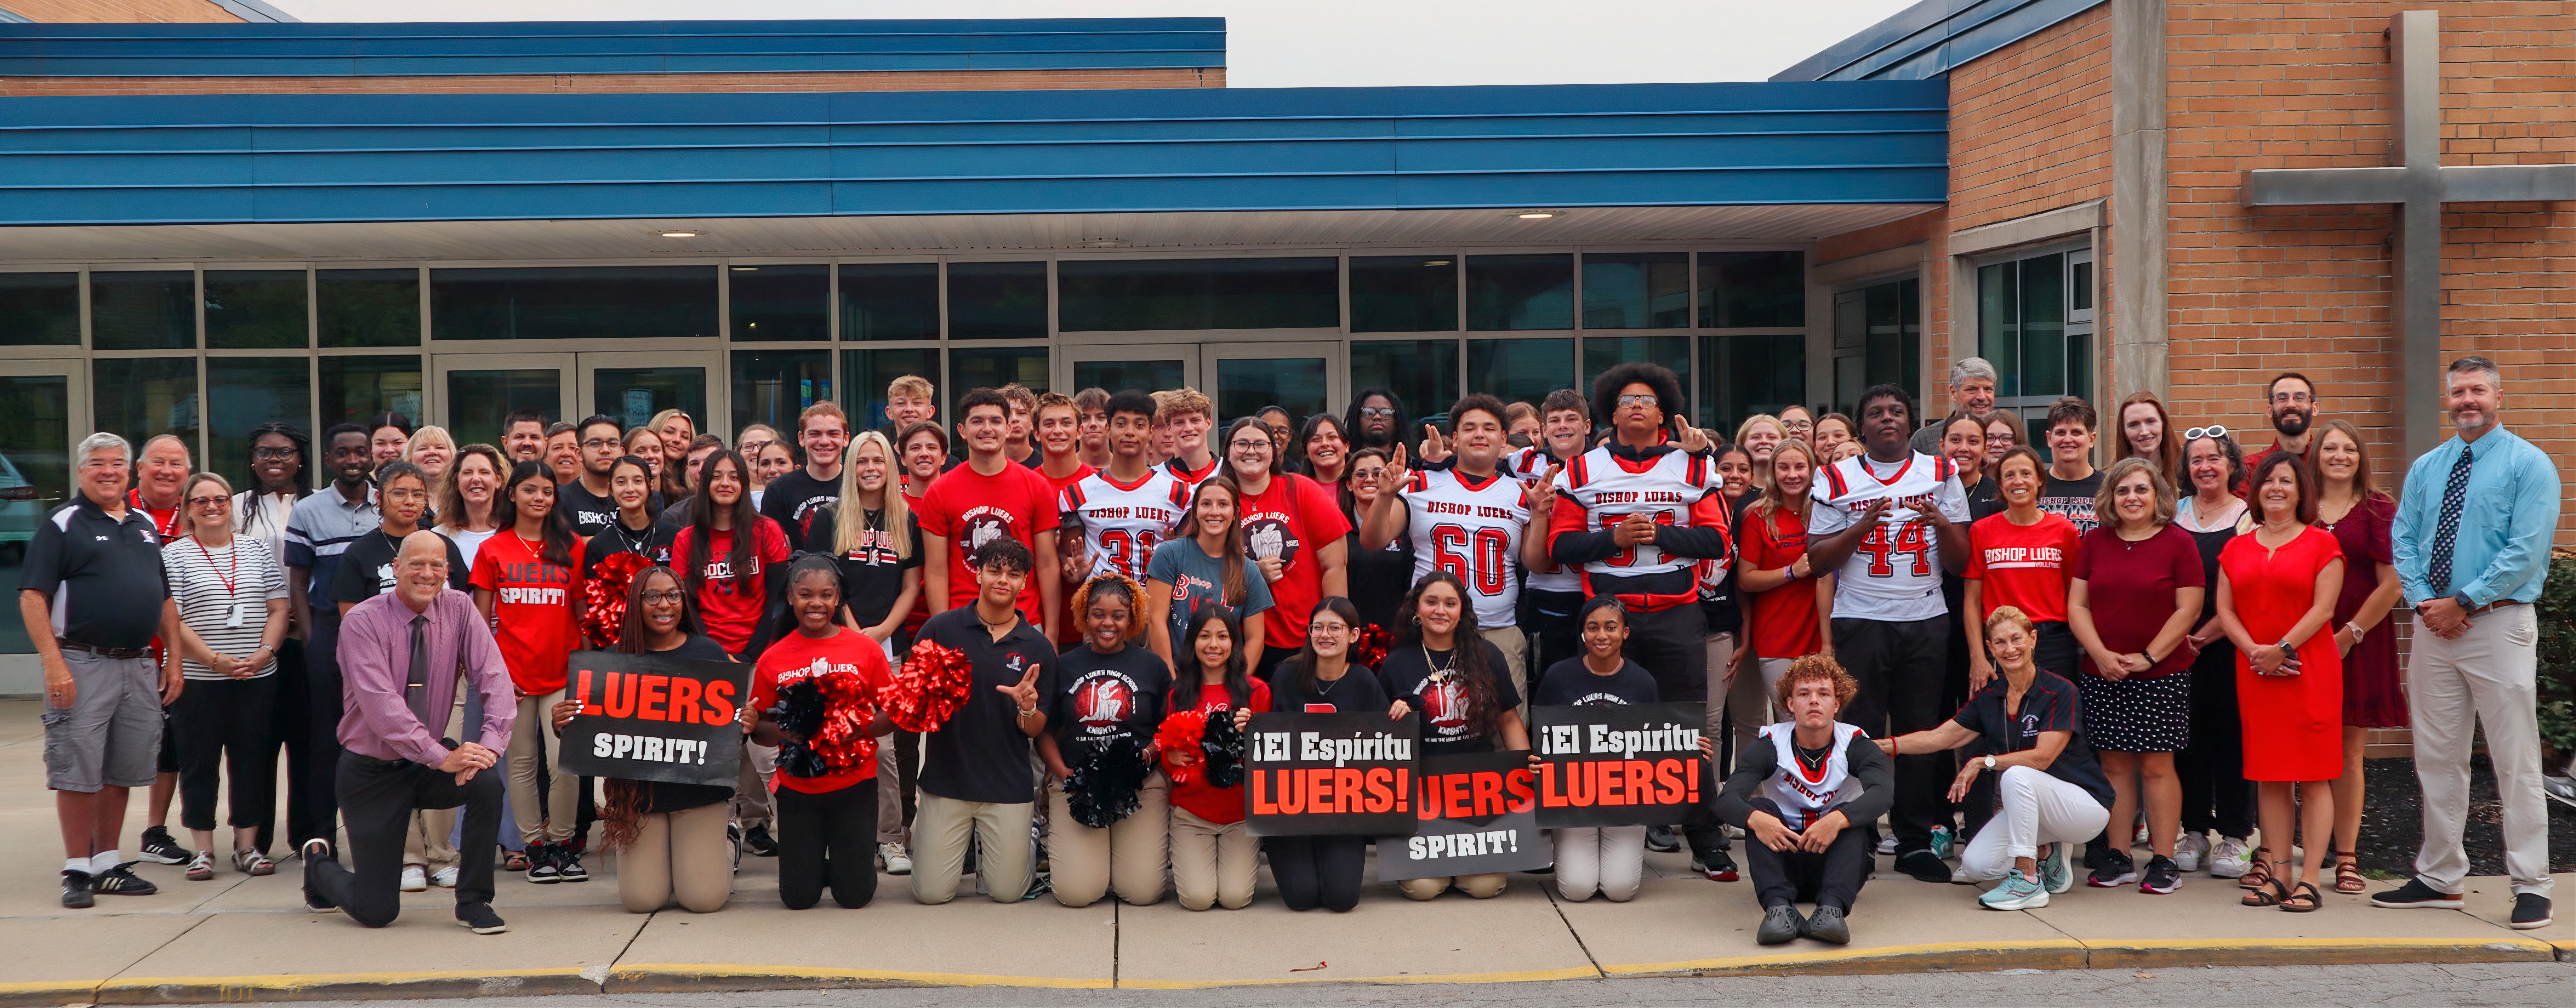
[(1972, 390), (93, 595)]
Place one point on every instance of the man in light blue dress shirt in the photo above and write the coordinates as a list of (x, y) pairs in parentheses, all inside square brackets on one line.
[(2471, 540)]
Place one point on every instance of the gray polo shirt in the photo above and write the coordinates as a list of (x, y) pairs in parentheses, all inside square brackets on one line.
[(320, 529)]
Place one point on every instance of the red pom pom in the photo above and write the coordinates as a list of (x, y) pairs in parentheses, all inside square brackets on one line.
[(1372, 646), (603, 597), (933, 683), (1180, 733), (843, 741)]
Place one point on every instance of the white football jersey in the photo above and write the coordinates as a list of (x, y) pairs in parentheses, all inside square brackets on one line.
[(1472, 530), (1530, 466), (1803, 797), (1895, 574), (1121, 525)]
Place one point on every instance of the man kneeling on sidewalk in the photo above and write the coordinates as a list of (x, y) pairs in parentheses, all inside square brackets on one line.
[(393, 651), (1798, 791)]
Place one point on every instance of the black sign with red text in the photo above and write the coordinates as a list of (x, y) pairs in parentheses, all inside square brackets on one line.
[(1618, 764), (1474, 813), (1319, 774), (651, 718)]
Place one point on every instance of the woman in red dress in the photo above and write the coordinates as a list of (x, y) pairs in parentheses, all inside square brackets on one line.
[(2351, 507), (2276, 589)]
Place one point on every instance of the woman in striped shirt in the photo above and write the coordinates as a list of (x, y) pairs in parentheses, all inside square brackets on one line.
[(232, 619)]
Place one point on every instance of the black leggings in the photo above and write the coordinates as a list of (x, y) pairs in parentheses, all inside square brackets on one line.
[(829, 836), (1318, 871), (2215, 793), (222, 728)]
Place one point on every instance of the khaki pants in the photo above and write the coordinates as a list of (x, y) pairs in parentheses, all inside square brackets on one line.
[(941, 828), (1485, 886), (751, 804), (425, 846), (1747, 705), (2485, 678), (533, 745), (1514, 644), (1127, 856), (1213, 865), (681, 856)]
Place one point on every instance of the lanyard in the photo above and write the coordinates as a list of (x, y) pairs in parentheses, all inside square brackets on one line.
[(232, 565)]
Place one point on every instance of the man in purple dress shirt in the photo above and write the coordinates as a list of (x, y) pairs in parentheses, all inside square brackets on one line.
[(393, 649)]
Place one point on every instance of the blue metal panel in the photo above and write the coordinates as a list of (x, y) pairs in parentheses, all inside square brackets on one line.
[(548, 47), (1928, 39), (235, 158)]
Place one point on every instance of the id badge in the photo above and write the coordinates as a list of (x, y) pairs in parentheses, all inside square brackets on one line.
[(236, 619)]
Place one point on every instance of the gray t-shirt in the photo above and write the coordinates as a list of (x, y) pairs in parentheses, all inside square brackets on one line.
[(1198, 580)]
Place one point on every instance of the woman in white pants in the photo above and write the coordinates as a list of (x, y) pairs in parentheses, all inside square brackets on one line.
[(2052, 792), (1605, 859)]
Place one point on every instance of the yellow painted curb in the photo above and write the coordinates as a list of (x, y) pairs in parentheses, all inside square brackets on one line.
[(2117, 954), (2058, 953), (50, 993), (346, 986), (1515, 976), (674, 978)]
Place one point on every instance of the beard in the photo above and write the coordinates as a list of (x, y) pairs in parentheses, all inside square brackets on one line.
[(1371, 438), (2292, 423)]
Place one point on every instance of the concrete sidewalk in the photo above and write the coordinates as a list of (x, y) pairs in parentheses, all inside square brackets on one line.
[(237, 938)]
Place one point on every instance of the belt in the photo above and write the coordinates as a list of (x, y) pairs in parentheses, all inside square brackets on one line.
[(2497, 604), (103, 652)]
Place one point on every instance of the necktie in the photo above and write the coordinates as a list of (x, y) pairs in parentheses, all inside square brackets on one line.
[(2446, 531), (416, 683)]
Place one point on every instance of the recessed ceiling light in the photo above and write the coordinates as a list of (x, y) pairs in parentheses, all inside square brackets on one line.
[(1105, 242), (1435, 262), (744, 269), (679, 234), (1535, 214)]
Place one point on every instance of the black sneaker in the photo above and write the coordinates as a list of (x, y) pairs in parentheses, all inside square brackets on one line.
[(2097, 852), (1779, 925), (2530, 910), (568, 865), (159, 848), (2115, 870), (76, 892), (1828, 926), (2163, 876), (757, 841), (121, 881), (479, 918), (1924, 865), (541, 864), (1660, 839), (315, 851), (2416, 895), (1716, 865)]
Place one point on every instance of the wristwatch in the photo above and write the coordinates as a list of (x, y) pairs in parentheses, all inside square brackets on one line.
[(1990, 761)]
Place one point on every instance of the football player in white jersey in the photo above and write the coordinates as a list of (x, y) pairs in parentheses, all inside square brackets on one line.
[(1888, 521), (1802, 792), (1469, 520), (1554, 592), (1112, 519)]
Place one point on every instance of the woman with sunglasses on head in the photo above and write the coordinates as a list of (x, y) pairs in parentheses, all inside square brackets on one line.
[(2359, 516), (670, 838), (1442, 666), (1109, 693), (2215, 794), (1215, 859), (231, 593), (527, 585), (2277, 588), (1323, 871)]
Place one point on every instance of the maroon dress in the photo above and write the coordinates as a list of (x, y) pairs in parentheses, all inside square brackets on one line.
[(2372, 695)]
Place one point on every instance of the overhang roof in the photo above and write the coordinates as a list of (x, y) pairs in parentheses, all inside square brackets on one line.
[(1928, 39)]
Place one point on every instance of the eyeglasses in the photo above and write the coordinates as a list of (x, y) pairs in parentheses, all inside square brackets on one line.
[(1377, 411), (208, 501), (1250, 445), (1639, 400), (651, 597), (272, 454), (2197, 433)]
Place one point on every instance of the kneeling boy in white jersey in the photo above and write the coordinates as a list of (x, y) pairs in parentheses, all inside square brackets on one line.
[(1801, 792)]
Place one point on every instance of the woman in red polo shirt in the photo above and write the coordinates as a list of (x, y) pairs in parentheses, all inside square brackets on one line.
[(2021, 558)]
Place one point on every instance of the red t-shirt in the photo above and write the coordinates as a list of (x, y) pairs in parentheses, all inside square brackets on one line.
[(2129, 586), (532, 609), (1292, 518), (1783, 623), (730, 601), (1066, 631), (2023, 565), (969, 509), (1215, 804), (796, 656)]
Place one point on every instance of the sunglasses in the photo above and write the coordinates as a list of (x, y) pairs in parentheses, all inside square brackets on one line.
[(2198, 433)]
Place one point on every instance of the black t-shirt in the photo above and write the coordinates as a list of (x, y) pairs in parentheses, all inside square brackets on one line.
[(1720, 607), (1357, 690), (2072, 498), (1379, 578), (653, 544), (2050, 705), (1442, 698), (591, 514), (980, 754), (1099, 697), (103, 575), (871, 572), (367, 567), (661, 797), (790, 501), (1570, 683), (1985, 498)]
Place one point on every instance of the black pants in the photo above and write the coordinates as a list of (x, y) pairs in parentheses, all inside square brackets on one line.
[(830, 836), (2215, 793), (1552, 628), (377, 798), (322, 719), (1899, 668), (1672, 645), (291, 724), (223, 728), (1830, 879), (1318, 871)]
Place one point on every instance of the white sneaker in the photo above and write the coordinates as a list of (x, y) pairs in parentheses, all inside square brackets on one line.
[(2232, 858), (2141, 839), (1887, 843), (444, 878), (2188, 851), (414, 880), (894, 858)]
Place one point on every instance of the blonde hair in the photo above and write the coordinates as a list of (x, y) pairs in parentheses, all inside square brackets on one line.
[(850, 521), (914, 386), (2120, 470), (1771, 500), (1169, 404), (2010, 614), (429, 432), (1746, 428)]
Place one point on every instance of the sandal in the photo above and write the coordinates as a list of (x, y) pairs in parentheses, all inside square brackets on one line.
[(514, 861), (2259, 875), (2348, 873), (251, 862), (201, 867), (2313, 898), (2272, 895)]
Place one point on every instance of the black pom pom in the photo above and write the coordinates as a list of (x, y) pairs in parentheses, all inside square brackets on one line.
[(1103, 788), (799, 712), (1222, 743)]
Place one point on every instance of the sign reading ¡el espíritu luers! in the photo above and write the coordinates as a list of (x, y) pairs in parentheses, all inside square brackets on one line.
[(1474, 813), (1330, 774), (651, 718), (1618, 765)]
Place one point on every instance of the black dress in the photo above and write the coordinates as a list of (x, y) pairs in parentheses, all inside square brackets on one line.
[(2215, 795)]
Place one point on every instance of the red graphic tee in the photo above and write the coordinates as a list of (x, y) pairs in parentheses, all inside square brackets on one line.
[(970, 509), (730, 601), (531, 609), (1290, 519)]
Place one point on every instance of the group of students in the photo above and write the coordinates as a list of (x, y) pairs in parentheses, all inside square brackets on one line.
[(1852, 601)]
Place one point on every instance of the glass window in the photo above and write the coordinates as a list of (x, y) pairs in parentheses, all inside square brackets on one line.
[(35, 471), (478, 401), (1999, 324), (245, 392), (1099, 295), (1895, 352), (889, 301), (1600, 354), (633, 395), (1246, 385), (1636, 290), (772, 386), (1744, 375), (1745, 290), (143, 311), (368, 307), (2043, 326), (993, 367), (866, 373), (573, 302), (1415, 293), (356, 388), (2023, 317), (1520, 292), (39, 309), (997, 300), (1424, 373), (780, 302), (1146, 375), (256, 310), (1523, 370), (137, 398)]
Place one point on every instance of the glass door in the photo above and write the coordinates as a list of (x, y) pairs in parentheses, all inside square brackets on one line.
[(476, 391), (632, 387), (42, 406), (1302, 378), (1116, 367)]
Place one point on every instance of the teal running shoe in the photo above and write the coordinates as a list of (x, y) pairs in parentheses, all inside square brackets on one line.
[(2017, 892)]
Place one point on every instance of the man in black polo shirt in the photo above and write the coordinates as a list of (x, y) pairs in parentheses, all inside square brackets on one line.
[(93, 595), (975, 772)]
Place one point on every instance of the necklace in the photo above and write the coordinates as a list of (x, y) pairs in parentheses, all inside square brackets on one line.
[(632, 545), (1442, 672)]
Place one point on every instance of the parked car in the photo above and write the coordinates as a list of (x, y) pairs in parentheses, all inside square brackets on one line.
[(21, 507)]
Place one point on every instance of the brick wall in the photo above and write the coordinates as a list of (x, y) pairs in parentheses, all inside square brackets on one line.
[(119, 11), (941, 80)]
